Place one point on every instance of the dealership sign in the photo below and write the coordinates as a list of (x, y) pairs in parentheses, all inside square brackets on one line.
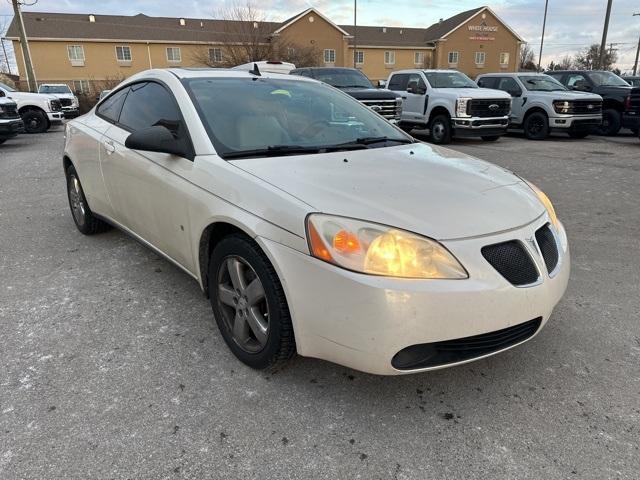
[(482, 32)]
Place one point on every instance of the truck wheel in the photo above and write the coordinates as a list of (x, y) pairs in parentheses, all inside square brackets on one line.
[(35, 121), (440, 129), (611, 122), (490, 138), (536, 126)]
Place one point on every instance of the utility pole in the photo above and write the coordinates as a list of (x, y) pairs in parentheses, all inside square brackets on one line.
[(31, 77), (355, 32), (603, 44), (635, 65), (544, 25)]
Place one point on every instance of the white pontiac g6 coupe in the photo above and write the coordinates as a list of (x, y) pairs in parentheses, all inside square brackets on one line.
[(314, 225)]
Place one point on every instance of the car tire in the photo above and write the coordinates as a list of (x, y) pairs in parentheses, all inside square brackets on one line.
[(85, 220), (440, 129), (35, 121), (253, 318), (611, 122), (490, 138), (536, 126), (579, 134), (406, 127)]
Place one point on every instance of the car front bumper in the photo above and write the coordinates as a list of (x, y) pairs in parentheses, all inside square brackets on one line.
[(10, 127), (477, 126), (55, 117), (363, 321), (575, 122), (70, 112)]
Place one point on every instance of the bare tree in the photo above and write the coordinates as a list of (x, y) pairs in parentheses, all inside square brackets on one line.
[(527, 58), (5, 62), (246, 35), (589, 58)]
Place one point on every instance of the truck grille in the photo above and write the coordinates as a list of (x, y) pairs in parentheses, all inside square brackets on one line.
[(56, 106), (489, 107), (9, 111), (389, 109), (66, 102), (586, 107), (512, 261), (548, 248)]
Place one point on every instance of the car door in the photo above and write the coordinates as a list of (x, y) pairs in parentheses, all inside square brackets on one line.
[(513, 88), (412, 104), (148, 190)]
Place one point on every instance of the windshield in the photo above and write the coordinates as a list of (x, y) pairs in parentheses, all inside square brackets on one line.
[(54, 89), (267, 116), (7, 88), (607, 79), (541, 83), (343, 78), (449, 80)]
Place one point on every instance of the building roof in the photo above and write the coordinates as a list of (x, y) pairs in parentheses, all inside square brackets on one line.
[(387, 36)]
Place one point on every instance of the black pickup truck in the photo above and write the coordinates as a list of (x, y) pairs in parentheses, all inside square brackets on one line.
[(353, 82), (634, 103), (615, 93)]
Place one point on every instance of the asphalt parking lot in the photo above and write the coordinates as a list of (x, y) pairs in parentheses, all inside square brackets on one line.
[(112, 367)]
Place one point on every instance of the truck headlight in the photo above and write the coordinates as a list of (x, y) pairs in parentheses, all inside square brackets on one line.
[(376, 249), (562, 106), (461, 107)]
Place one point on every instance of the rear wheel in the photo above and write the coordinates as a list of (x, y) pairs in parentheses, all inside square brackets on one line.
[(490, 138), (440, 129), (611, 122), (249, 305), (35, 121), (84, 219), (536, 126)]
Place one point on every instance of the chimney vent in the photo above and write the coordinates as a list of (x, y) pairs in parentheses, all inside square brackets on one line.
[(182, 22), (384, 29), (92, 18)]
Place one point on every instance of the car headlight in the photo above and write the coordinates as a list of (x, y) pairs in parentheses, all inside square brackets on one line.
[(377, 249), (561, 106), (461, 107), (547, 205)]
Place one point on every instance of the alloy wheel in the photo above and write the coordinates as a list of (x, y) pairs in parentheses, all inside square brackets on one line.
[(243, 304), (76, 199)]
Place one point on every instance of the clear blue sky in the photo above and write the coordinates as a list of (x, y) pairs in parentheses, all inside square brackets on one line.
[(571, 25)]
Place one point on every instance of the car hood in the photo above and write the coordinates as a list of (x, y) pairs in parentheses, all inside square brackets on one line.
[(62, 95), (370, 93), (31, 96), (472, 92), (421, 188), (570, 95)]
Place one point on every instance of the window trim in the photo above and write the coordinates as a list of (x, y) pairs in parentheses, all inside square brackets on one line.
[(457, 57), (359, 52), (422, 55), (392, 57), (173, 49), (324, 55), (484, 59), (82, 90), (504, 64), (76, 62), (123, 60), (212, 58)]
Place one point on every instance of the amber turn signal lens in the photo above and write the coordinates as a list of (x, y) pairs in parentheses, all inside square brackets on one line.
[(317, 245), (346, 242)]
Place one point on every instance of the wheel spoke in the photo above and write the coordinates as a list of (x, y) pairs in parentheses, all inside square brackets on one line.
[(256, 323), (254, 292), (240, 329), (227, 295), (235, 268)]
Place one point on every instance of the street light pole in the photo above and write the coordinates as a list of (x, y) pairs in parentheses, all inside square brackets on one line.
[(26, 54), (603, 44), (544, 25), (355, 32), (635, 65)]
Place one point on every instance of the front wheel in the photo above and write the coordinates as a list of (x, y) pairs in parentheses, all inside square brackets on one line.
[(84, 219), (490, 138), (536, 126), (440, 129), (35, 121), (611, 122), (249, 305)]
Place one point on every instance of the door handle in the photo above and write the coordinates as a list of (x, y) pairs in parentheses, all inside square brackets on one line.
[(404, 98), (109, 147)]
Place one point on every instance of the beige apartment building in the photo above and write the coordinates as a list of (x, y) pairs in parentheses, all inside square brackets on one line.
[(90, 51)]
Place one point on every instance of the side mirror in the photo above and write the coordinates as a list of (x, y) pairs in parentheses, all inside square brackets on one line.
[(582, 87), (157, 139), (382, 84), (415, 89)]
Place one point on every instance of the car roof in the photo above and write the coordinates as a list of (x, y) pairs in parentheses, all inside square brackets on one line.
[(426, 70), (512, 74), (185, 73)]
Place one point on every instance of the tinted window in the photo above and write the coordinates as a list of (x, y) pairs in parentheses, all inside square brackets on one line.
[(417, 79), (557, 76), (541, 83), (575, 78), (399, 82), (110, 108), (508, 84), (488, 82), (149, 104), (607, 79)]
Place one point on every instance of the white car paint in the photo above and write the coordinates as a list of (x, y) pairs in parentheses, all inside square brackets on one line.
[(354, 319), (68, 95)]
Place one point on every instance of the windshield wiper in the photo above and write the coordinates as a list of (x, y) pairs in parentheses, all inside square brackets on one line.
[(271, 151), (364, 141)]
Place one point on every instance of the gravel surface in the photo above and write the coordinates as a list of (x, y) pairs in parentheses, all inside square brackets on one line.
[(112, 368)]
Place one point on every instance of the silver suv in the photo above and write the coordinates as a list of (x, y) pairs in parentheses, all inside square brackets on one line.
[(541, 105)]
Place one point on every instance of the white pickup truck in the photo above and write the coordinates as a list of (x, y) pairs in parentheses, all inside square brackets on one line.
[(38, 111), (10, 121), (450, 104)]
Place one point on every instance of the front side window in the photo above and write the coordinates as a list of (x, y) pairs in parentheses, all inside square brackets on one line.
[(76, 53), (576, 79), (123, 53), (389, 58), (360, 57), (504, 59), (449, 80), (399, 82), (110, 108), (541, 83), (149, 104), (266, 116), (416, 78), (418, 58), (173, 54), (329, 55), (480, 57), (509, 85), (453, 58), (215, 55)]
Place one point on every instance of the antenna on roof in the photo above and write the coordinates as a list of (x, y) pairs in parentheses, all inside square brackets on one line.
[(255, 71)]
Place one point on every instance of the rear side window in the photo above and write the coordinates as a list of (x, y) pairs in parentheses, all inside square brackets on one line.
[(399, 82), (149, 104), (111, 107), (487, 82), (508, 84)]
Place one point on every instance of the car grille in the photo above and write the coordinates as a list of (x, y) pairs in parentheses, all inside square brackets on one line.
[(485, 107), (512, 261), (452, 351), (581, 107), (56, 106), (389, 109), (9, 111), (66, 102), (548, 247)]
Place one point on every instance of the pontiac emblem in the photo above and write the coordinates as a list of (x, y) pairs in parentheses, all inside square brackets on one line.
[(532, 244)]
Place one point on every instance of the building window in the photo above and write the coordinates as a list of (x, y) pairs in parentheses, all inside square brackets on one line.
[(329, 55), (76, 55), (480, 56), (504, 59), (215, 55), (123, 53), (389, 57), (81, 86), (360, 57), (453, 58), (418, 58), (173, 54)]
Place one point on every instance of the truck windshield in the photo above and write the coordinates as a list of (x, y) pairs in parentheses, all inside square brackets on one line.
[(449, 80), (7, 88), (541, 83), (607, 79), (54, 89), (343, 78), (253, 117)]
